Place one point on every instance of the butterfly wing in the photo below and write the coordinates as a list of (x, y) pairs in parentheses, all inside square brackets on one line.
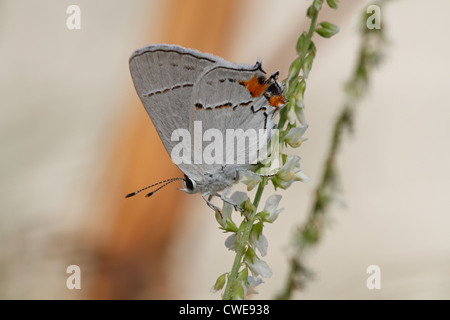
[(164, 76), (180, 87), (236, 97)]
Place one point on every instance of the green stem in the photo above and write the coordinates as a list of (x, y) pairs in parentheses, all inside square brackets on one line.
[(312, 28), (290, 283), (309, 234), (243, 242), (302, 56)]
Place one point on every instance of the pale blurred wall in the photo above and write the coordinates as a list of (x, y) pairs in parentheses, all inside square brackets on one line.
[(63, 92)]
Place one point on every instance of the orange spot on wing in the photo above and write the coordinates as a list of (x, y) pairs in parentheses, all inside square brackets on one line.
[(254, 86), (277, 101)]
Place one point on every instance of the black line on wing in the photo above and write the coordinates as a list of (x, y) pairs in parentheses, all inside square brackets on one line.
[(225, 105), (246, 103), (256, 111), (171, 50), (177, 86), (265, 120)]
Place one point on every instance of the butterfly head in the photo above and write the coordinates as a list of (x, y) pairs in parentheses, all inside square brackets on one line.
[(190, 186)]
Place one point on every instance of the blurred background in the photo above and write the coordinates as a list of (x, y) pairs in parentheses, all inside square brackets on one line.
[(75, 140)]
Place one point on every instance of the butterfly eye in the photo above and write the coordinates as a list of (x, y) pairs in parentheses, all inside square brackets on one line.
[(189, 184)]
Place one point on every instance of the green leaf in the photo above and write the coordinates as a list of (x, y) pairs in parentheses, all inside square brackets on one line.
[(300, 43), (248, 206), (243, 275), (238, 291), (276, 183), (264, 215), (294, 69), (333, 4), (283, 158), (312, 47), (327, 29), (308, 64), (220, 282), (296, 94), (241, 228), (250, 255), (302, 87), (258, 229), (230, 226)]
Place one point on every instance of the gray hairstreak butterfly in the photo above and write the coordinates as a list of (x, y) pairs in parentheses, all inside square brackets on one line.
[(200, 105)]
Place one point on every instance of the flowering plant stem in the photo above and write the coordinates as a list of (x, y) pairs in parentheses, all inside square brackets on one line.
[(248, 227), (302, 58), (243, 241), (309, 234), (292, 124)]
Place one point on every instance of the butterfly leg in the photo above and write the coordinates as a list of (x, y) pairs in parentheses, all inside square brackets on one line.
[(210, 204), (236, 206), (259, 174)]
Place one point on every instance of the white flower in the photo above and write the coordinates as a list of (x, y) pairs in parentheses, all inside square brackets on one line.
[(291, 114), (259, 242), (271, 207), (294, 136), (289, 173), (231, 242), (227, 210), (285, 175), (300, 114), (301, 176), (252, 180), (259, 267), (238, 197), (252, 283), (292, 162)]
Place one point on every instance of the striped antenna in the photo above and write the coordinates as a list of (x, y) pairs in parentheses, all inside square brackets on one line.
[(166, 182)]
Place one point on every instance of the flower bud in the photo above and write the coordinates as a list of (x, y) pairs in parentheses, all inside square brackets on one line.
[(327, 29)]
